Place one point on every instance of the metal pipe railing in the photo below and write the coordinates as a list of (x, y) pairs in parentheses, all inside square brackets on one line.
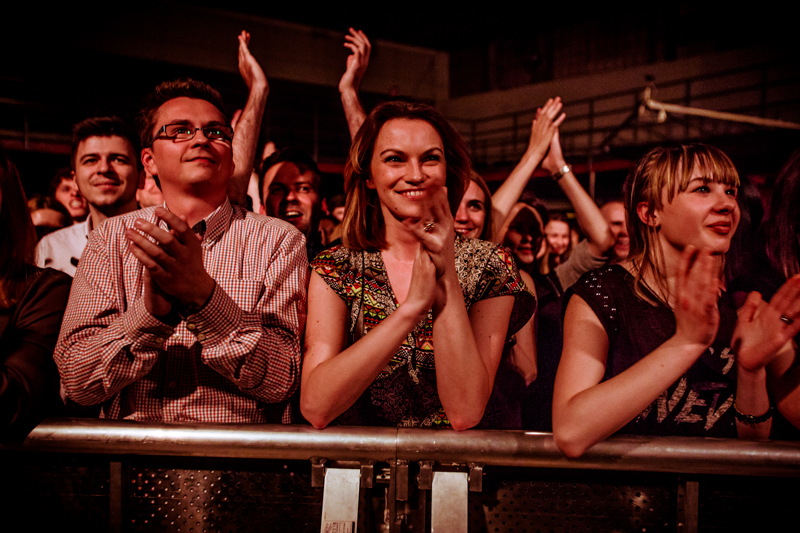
[(501, 448)]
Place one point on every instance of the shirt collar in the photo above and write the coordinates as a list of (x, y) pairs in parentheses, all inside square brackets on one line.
[(217, 222), (214, 225), (87, 226)]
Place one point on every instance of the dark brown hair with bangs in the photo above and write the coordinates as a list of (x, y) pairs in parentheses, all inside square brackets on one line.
[(665, 169), (363, 225)]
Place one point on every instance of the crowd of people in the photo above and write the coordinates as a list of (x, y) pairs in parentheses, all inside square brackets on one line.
[(159, 291)]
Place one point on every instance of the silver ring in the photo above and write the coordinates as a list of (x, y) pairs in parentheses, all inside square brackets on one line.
[(786, 320), (428, 227)]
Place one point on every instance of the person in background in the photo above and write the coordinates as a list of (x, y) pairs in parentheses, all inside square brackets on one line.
[(614, 213), (64, 189), (150, 194), (47, 215), (769, 255), (107, 170), (289, 187), (32, 304), (246, 127)]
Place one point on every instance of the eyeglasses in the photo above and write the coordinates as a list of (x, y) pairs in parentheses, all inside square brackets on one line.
[(182, 132)]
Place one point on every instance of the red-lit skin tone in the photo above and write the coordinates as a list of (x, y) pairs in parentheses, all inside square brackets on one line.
[(150, 194), (524, 237), (520, 239), (471, 215), (292, 196), (408, 172), (191, 171), (70, 197), (705, 215), (194, 176), (557, 233), (107, 175), (614, 213), (48, 217)]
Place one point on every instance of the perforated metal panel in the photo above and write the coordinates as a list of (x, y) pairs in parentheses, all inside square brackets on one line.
[(273, 499), (53, 492), (514, 505)]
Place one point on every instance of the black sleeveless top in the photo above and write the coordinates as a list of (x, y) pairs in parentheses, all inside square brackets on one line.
[(700, 403)]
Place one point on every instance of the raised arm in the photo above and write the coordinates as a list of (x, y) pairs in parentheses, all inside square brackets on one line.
[(590, 219), (542, 130), (586, 409), (248, 126), (350, 83)]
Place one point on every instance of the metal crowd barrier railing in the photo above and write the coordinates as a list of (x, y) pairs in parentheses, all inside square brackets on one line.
[(157, 477)]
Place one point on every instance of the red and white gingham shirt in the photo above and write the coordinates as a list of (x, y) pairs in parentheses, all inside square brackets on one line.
[(236, 360)]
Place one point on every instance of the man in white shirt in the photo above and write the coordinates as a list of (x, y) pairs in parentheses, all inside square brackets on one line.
[(108, 170)]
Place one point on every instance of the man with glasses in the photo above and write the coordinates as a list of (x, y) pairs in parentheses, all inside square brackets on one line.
[(193, 312)]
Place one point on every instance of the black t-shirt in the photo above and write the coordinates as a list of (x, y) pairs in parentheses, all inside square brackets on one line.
[(700, 403)]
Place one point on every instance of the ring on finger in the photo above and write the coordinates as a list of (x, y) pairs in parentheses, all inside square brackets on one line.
[(786, 320), (428, 226)]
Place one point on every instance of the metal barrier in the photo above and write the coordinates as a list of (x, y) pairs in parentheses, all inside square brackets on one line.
[(125, 476)]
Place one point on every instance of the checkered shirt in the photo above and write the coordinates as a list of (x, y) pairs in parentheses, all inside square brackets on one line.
[(236, 360)]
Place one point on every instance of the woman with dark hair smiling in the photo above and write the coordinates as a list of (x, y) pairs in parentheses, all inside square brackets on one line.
[(32, 303), (403, 285)]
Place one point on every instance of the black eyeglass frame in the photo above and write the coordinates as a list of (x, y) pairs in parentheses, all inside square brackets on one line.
[(162, 133)]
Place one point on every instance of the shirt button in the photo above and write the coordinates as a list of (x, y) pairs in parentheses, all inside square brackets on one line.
[(159, 340), (191, 326), (201, 337)]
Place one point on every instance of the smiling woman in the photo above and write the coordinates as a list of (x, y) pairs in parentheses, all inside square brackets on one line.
[(472, 219), (653, 346), (403, 285)]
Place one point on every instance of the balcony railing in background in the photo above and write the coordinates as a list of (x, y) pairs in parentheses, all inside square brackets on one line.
[(600, 124)]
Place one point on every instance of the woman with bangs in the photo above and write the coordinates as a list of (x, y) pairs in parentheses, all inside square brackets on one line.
[(404, 284), (649, 344)]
